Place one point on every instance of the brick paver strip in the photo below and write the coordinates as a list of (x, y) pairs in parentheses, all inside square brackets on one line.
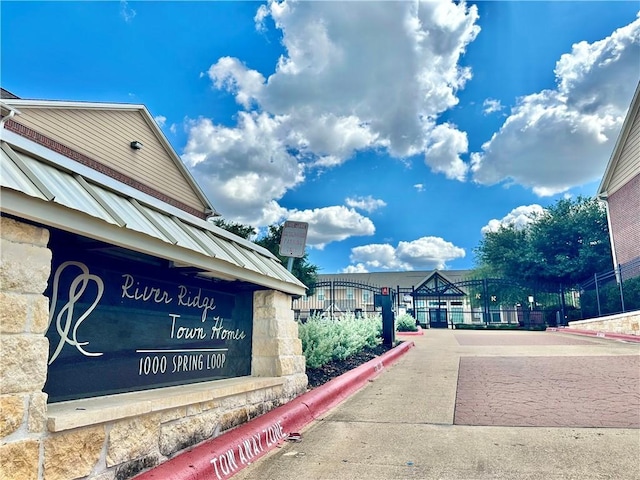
[(508, 338), (549, 391)]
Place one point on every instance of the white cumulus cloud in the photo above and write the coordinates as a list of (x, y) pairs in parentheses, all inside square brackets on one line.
[(518, 217), (232, 75), (244, 170), (358, 268), (424, 253), (491, 105), (332, 224), (353, 76), (368, 203), (556, 139), (445, 145)]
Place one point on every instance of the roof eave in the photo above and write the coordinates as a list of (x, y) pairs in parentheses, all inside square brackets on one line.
[(31, 103), (178, 161), (24, 103), (57, 216), (52, 214), (620, 143)]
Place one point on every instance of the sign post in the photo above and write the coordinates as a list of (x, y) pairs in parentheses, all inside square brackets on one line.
[(293, 241)]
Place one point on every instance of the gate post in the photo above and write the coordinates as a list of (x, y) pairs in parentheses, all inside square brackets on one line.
[(619, 275), (595, 277), (332, 300), (563, 307), (485, 302)]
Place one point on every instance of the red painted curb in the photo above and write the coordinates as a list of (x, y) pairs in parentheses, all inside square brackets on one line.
[(419, 332), (322, 399), (220, 458), (597, 333)]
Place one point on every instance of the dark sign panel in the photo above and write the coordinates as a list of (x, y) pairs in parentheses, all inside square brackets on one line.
[(125, 326)]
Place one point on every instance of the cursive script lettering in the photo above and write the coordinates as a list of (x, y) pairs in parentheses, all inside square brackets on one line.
[(186, 299), (64, 319), (188, 333), (132, 289), (220, 333)]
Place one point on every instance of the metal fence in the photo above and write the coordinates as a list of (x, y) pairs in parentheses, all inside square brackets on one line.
[(333, 298), (492, 302), (488, 301), (614, 291)]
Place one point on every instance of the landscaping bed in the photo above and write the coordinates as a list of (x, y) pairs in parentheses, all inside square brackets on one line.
[(335, 368)]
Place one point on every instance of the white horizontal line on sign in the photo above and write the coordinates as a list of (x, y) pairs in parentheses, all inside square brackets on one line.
[(185, 350)]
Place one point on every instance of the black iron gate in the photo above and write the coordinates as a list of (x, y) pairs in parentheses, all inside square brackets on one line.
[(440, 303), (488, 301), (333, 298)]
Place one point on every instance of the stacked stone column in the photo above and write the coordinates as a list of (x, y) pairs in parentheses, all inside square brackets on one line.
[(25, 265), (277, 350)]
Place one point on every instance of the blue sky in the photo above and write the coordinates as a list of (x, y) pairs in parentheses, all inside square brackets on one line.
[(398, 130)]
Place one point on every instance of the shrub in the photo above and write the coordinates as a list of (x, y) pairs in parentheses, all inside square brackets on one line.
[(609, 297), (325, 339), (406, 323)]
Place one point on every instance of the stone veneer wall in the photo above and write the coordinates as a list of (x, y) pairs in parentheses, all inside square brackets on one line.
[(115, 449), (627, 323), (25, 265)]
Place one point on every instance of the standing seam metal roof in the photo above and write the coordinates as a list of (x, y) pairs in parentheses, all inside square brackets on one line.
[(216, 252)]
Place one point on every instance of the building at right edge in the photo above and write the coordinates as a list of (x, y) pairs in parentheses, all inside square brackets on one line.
[(620, 188)]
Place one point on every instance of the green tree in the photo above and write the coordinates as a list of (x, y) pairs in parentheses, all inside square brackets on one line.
[(566, 244), (244, 231)]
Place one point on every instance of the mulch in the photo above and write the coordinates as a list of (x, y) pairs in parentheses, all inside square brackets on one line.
[(320, 376)]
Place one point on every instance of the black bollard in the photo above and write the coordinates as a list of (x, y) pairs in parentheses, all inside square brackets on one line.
[(384, 300)]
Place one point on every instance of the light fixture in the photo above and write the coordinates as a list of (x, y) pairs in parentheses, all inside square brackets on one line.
[(136, 145)]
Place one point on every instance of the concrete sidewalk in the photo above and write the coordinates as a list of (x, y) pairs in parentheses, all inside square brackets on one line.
[(480, 405)]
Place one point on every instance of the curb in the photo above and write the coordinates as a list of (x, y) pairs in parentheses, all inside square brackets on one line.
[(222, 457), (419, 332), (597, 333)]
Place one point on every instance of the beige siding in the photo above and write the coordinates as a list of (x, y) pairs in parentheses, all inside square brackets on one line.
[(628, 165), (105, 136)]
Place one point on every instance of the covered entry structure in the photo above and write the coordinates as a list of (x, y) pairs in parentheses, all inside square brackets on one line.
[(441, 303), (132, 328)]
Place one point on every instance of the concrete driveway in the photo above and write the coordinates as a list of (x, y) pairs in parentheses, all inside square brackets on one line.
[(480, 405)]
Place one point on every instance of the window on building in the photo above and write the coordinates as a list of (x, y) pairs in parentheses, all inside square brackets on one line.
[(320, 293), (349, 293), (366, 296)]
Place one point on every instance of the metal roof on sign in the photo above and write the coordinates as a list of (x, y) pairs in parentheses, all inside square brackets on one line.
[(38, 188), (14, 178)]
